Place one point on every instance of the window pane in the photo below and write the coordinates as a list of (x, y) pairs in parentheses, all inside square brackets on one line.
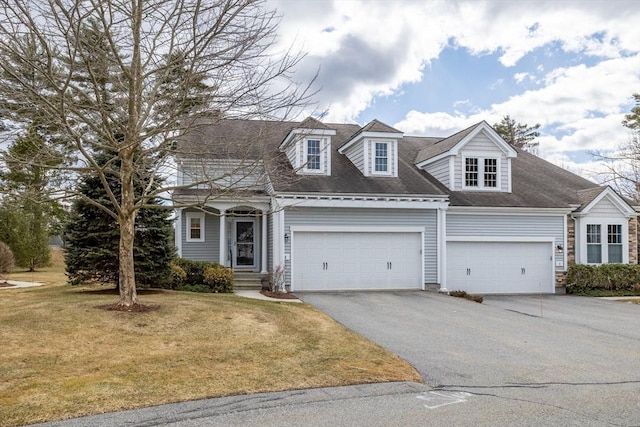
[(471, 172), (614, 233), (593, 233), (381, 158), (490, 172), (594, 254), (615, 253), (313, 154), (194, 228)]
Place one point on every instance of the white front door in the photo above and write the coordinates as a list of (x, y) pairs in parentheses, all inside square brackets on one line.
[(244, 237)]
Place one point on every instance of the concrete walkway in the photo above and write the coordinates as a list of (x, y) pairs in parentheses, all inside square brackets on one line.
[(257, 295), (17, 284)]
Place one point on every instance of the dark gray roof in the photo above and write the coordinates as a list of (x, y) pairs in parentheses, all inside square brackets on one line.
[(444, 145), (253, 138), (311, 123), (535, 182)]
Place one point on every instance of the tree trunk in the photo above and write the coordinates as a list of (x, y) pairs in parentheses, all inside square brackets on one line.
[(127, 221)]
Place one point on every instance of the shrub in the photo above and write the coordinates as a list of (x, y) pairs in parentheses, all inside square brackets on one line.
[(470, 297), (614, 278), (201, 276), (219, 278), (7, 261), (177, 276)]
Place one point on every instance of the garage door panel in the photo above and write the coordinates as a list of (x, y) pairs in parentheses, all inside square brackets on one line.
[(377, 260), (500, 267)]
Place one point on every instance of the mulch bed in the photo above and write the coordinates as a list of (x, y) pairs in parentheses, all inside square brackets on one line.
[(6, 285), (135, 308), (278, 295)]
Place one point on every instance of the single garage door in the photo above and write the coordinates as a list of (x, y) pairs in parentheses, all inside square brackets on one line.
[(500, 267), (356, 260)]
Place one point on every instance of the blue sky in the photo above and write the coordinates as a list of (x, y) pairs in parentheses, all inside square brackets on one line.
[(435, 67)]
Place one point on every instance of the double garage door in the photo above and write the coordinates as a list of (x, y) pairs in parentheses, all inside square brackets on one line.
[(500, 267), (356, 260)]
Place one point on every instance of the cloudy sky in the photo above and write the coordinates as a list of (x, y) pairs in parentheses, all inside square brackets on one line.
[(435, 67)]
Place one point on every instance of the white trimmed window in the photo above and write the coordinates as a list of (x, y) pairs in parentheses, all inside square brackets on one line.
[(195, 227), (382, 157), (312, 155), (597, 251), (480, 173)]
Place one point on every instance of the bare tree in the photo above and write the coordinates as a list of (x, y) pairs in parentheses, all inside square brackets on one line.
[(120, 77), (622, 166)]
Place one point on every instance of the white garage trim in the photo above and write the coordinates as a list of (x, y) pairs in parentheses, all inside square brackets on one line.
[(500, 239), (351, 229)]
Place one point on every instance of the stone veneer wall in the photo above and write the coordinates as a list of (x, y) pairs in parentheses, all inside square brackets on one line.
[(570, 256)]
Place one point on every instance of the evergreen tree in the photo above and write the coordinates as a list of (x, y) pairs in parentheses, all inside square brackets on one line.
[(93, 236), (517, 134)]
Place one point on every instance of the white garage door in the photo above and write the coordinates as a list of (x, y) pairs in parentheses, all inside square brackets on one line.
[(500, 267), (353, 261)]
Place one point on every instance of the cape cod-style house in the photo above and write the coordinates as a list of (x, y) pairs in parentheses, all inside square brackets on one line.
[(344, 207)]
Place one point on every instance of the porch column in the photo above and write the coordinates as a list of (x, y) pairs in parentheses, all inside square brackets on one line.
[(442, 249), (222, 258), (263, 244)]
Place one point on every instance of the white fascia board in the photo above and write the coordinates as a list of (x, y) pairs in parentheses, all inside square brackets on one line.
[(614, 198), (355, 203), (473, 210), (505, 239), (434, 159), (295, 133), (353, 229), (508, 150)]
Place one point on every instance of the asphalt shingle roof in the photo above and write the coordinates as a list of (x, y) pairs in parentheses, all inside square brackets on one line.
[(535, 182)]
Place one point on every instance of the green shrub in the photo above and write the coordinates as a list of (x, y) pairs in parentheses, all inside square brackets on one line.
[(585, 279), (219, 278), (7, 261), (201, 276), (178, 276)]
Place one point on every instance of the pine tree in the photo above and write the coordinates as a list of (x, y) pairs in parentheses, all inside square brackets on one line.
[(517, 134), (93, 236)]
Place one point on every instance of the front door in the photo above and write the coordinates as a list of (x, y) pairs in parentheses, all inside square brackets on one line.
[(244, 231)]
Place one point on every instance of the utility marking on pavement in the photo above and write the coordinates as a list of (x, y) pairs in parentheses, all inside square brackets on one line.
[(437, 399)]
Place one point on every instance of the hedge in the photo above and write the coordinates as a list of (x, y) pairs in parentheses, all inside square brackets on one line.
[(583, 278), (200, 276)]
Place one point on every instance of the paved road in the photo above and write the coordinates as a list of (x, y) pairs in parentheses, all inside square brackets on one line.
[(526, 361)]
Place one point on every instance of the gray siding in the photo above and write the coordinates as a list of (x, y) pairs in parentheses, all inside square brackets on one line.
[(270, 219), (371, 218), (356, 155), (605, 209), (508, 226), (292, 154), (440, 171), (481, 146), (242, 174), (208, 250)]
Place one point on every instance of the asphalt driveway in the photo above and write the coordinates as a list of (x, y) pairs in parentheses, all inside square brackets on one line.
[(579, 353)]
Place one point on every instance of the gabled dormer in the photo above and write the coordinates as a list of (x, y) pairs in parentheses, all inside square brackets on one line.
[(308, 147), (374, 150), (475, 159)]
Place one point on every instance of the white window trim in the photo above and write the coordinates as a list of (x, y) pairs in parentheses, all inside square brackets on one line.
[(604, 236), (392, 156), (481, 163), (325, 156), (189, 216)]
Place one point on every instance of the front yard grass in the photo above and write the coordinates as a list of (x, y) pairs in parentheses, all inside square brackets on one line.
[(62, 357)]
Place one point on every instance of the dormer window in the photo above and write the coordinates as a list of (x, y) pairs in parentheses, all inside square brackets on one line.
[(480, 173), (313, 155), (381, 159)]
